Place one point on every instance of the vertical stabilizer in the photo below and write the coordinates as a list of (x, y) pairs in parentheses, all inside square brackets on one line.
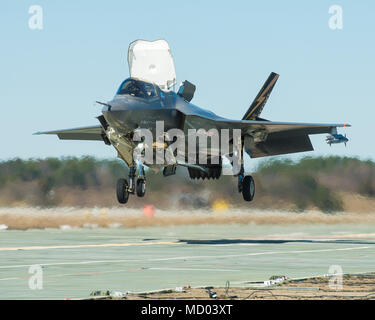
[(260, 100)]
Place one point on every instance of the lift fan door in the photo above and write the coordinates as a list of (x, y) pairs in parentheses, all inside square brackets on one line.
[(152, 61)]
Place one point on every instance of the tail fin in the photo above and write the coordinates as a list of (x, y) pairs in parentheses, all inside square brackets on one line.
[(260, 100)]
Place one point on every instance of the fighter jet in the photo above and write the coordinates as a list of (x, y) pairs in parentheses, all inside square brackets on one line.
[(148, 97)]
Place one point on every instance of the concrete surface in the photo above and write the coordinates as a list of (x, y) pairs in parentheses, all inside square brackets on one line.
[(78, 261)]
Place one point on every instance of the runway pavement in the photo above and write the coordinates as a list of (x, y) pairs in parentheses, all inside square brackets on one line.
[(77, 261)]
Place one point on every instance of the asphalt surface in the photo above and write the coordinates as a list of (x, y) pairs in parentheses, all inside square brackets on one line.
[(75, 262)]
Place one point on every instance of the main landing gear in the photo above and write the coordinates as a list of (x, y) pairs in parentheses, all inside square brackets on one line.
[(124, 189), (246, 185)]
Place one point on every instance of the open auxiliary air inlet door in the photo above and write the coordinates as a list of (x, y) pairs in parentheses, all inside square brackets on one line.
[(152, 61)]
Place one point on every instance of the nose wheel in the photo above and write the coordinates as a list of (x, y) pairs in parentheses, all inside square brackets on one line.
[(141, 181), (122, 191), (141, 187)]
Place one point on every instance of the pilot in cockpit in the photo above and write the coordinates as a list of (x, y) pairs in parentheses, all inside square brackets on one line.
[(137, 88)]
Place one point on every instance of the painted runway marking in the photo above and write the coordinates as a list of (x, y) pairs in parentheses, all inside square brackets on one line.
[(231, 244), (187, 257), (191, 269), (126, 244), (97, 273), (5, 279)]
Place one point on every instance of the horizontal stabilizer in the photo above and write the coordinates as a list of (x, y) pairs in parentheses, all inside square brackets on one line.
[(83, 133), (277, 144)]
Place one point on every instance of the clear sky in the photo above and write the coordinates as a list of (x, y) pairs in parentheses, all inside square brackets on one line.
[(50, 78)]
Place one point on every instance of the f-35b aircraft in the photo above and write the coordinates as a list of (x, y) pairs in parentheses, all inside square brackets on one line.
[(148, 97)]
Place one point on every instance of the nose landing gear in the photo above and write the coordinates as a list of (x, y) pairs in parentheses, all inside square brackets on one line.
[(124, 189)]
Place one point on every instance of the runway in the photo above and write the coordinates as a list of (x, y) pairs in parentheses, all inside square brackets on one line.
[(76, 261)]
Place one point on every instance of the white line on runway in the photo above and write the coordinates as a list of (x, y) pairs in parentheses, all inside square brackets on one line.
[(120, 271), (190, 269), (231, 245), (4, 279), (186, 257), (95, 245)]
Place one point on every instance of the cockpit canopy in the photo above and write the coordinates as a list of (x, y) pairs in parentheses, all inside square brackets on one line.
[(137, 88)]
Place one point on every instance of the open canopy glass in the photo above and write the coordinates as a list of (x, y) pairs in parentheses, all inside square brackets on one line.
[(152, 61)]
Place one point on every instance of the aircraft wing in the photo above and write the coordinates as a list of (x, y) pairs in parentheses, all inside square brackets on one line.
[(270, 138), (83, 133)]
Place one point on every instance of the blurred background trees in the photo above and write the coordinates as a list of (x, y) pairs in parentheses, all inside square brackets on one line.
[(310, 183)]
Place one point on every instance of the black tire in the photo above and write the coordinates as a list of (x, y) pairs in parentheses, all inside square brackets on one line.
[(141, 187), (122, 191), (248, 188)]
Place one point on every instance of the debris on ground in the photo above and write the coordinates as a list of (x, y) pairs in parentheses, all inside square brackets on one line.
[(355, 287), (275, 280), (117, 294), (212, 294), (100, 293)]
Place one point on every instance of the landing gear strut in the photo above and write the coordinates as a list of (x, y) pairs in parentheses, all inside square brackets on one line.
[(124, 189)]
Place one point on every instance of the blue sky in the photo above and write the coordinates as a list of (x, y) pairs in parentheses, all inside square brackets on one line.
[(50, 78)]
